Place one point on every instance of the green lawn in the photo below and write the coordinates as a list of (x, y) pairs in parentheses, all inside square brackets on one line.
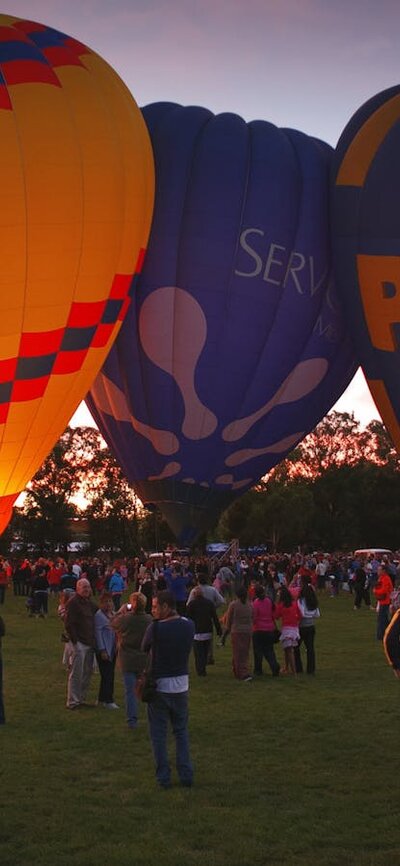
[(288, 771)]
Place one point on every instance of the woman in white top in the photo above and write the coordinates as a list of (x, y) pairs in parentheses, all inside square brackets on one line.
[(308, 604)]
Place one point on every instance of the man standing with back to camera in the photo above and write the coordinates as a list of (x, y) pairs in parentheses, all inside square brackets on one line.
[(170, 640)]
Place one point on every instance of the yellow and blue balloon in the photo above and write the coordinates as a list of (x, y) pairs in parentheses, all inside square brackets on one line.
[(76, 200), (366, 245)]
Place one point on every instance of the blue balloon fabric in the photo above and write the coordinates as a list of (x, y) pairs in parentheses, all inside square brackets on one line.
[(234, 346), (366, 244)]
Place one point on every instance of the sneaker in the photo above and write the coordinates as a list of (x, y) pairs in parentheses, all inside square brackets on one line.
[(111, 706)]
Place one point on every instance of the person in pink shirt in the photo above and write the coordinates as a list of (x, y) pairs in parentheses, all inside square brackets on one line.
[(288, 611), (264, 632)]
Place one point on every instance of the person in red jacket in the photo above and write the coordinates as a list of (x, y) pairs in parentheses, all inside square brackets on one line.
[(382, 592)]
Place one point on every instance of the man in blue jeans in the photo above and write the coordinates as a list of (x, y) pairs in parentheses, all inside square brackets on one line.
[(171, 649)]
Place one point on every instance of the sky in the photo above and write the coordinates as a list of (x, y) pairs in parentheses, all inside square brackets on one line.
[(305, 64)]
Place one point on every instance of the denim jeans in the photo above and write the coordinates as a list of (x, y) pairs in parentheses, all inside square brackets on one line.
[(131, 704), (170, 708), (382, 621)]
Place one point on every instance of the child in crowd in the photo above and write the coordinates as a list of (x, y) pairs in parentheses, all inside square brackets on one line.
[(287, 610)]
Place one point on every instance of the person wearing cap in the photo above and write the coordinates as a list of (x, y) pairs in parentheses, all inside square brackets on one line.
[(80, 627)]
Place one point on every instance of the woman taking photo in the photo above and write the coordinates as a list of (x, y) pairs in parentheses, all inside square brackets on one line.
[(130, 623)]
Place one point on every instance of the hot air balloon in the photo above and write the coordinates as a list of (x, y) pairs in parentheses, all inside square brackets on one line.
[(76, 196), (234, 346), (366, 245)]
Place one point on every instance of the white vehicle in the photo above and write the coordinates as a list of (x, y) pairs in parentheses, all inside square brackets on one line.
[(373, 551)]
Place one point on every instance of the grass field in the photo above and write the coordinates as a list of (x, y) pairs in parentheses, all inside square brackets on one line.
[(287, 771)]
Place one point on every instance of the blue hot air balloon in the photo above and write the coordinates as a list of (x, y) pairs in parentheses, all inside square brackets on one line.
[(366, 244), (234, 346)]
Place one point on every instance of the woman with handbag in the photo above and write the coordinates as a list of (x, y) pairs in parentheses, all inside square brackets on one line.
[(265, 633), (130, 624)]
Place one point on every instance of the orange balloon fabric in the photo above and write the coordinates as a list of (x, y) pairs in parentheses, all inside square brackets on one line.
[(76, 201)]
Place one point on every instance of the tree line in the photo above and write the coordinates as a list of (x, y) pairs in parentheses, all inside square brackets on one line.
[(80, 481), (338, 490)]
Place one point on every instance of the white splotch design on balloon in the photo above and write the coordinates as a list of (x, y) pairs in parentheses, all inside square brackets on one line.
[(173, 332), (169, 471), (239, 457), (176, 351), (111, 400), (301, 381), (245, 482)]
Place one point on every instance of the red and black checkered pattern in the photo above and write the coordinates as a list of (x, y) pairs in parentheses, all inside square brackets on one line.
[(51, 353), (30, 52)]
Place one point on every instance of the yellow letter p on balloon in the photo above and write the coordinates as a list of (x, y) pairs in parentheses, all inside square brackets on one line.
[(76, 200)]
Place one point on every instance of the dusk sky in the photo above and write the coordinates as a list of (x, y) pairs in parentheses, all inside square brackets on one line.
[(306, 64)]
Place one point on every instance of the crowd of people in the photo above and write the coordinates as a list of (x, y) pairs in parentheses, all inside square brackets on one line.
[(176, 604)]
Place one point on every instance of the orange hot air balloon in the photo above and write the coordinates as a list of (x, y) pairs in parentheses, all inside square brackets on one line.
[(76, 200)]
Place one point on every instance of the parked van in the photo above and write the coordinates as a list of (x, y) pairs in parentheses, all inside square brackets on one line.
[(372, 551)]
